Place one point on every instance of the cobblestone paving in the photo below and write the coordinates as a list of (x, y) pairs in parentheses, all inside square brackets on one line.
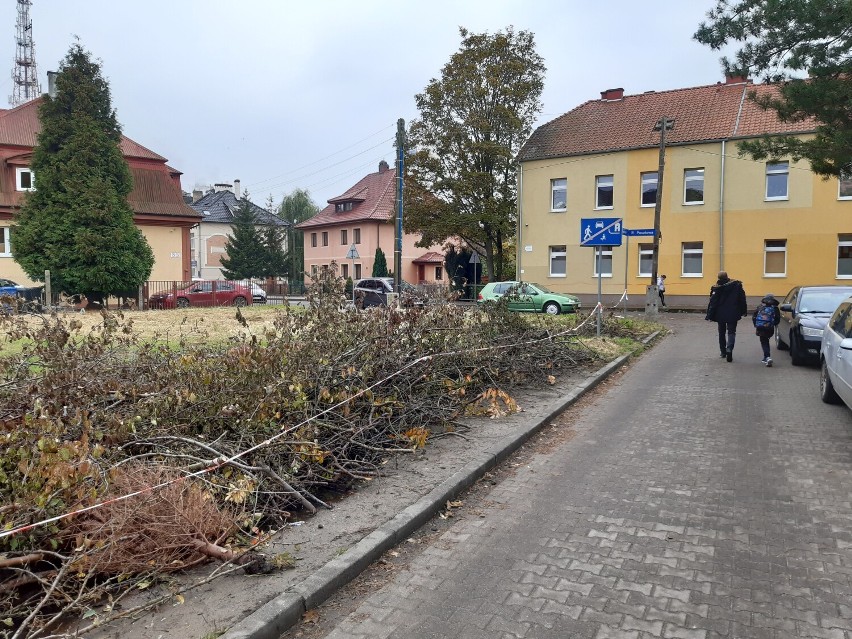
[(699, 499)]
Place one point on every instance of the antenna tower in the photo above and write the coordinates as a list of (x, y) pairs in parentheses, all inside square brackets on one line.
[(25, 74)]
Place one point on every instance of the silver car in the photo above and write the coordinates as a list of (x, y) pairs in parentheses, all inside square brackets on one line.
[(835, 381)]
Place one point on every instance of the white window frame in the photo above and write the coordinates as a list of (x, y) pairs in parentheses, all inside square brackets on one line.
[(774, 249), (650, 253), (563, 253), (847, 180), (692, 250), (605, 252), (604, 180), (843, 240), (774, 169), (686, 176), (554, 188), (5, 241), (18, 172), (645, 180)]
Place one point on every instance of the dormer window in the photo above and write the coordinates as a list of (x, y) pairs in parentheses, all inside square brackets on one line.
[(24, 179), (340, 207)]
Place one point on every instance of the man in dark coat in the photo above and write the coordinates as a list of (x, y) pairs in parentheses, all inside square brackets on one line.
[(727, 305)]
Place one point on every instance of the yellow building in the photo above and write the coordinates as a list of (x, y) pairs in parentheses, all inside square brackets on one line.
[(772, 224)]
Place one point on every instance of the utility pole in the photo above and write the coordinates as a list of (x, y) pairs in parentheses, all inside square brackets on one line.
[(25, 86), (397, 251), (652, 297)]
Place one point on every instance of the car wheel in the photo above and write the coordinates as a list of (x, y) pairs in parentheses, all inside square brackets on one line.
[(551, 308), (239, 301), (182, 302), (796, 355), (779, 343), (826, 388)]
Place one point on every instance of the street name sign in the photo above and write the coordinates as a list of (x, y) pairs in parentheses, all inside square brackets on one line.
[(639, 232)]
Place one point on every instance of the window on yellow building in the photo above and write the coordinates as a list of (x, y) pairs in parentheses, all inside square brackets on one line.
[(844, 256), (559, 194), (603, 257), (646, 259), (775, 258), (603, 191), (844, 187), (649, 189), (777, 178), (692, 259), (558, 261), (693, 186)]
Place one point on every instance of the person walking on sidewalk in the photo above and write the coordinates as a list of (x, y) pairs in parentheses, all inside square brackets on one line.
[(726, 306), (766, 317), (661, 288)]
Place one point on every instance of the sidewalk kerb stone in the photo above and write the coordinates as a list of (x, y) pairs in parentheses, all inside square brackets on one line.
[(276, 616)]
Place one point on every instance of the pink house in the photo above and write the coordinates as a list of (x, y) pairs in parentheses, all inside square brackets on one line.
[(364, 217)]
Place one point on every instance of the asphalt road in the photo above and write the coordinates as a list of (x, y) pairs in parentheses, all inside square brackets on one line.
[(698, 499)]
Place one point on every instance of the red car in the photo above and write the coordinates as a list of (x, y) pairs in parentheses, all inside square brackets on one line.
[(205, 293)]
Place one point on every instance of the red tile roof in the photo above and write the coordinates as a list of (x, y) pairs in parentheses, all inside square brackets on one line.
[(20, 127), (155, 190), (713, 112), (429, 258), (373, 199)]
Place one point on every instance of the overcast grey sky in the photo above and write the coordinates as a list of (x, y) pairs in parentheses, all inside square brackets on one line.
[(283, 94)]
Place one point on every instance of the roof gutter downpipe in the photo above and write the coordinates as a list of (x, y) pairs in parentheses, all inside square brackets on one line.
[(722, 182), (722, 210)]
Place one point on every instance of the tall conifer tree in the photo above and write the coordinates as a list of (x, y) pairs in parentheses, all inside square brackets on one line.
[(246, 254), (77, 223)]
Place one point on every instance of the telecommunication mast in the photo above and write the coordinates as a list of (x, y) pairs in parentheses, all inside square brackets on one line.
[(25, 86)]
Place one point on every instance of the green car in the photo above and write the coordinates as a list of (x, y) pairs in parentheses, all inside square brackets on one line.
[(534, 298)]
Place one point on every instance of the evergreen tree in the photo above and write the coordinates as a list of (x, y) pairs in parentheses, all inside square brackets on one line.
[(77, 223), (245, 249), (275, 255), (782, 40), (380, 264)]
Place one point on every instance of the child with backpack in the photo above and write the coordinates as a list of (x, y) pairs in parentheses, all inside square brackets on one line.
[(765, 319)]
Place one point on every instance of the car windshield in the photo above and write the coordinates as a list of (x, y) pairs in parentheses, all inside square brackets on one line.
[(822, 301), (541, 288)]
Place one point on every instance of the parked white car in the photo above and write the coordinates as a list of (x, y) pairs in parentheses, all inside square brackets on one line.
[(835, 380), (258, 295)]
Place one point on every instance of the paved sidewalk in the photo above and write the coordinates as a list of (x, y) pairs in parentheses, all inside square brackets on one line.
[(699, 499)]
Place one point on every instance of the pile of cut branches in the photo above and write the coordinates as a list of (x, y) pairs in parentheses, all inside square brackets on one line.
[(217, 445)]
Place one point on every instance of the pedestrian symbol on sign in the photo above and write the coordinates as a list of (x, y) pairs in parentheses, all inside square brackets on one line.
[(587, 234)]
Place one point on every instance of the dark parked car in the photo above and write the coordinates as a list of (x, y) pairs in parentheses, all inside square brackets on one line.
[(373, 291), (804, 314), (27, 293)]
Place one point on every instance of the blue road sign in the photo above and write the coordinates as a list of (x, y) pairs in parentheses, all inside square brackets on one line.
[(639, 232), (600, 231)]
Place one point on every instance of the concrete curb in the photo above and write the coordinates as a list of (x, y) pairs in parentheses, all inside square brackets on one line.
[(276, 616)]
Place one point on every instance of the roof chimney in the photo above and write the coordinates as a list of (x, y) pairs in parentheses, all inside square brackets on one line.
[(735, 78), (383, 166), (51, 83), (196, 195), (237, 188), (218, 188), (612, 94)]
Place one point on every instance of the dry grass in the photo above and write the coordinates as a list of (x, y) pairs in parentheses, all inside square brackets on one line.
[(193, 325)]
